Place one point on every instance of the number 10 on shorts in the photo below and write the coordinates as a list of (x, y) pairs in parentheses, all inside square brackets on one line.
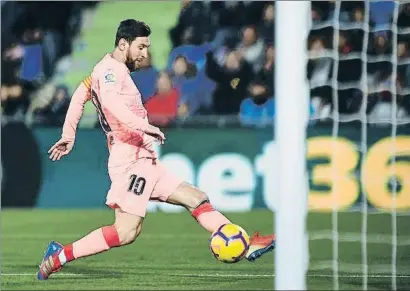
[(137, 184)]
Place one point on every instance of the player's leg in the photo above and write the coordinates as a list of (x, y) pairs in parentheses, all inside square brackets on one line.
[(124, 231), (171, 189), (197, 203), (129, 194)]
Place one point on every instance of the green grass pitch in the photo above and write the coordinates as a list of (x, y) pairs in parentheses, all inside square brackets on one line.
[(172, 253)]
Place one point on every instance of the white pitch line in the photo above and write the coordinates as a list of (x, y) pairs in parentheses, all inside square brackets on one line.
[(216, 275), (187, 275), (72, 235), (32, 274), (272, 275)]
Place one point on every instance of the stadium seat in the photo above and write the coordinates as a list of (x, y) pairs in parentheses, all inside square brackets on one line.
[(32, 65)]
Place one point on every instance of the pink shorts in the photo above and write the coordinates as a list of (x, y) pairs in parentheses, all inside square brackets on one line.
[(134, 185)]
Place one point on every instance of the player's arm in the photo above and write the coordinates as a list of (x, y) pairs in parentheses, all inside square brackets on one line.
[(111, 83), (81, 95), (64, 146)]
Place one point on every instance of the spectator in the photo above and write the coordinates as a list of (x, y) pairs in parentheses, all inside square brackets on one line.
[(15, 95), (316, 15), (319, 73), (182, 69), (319, 68), (162, 107), (11, 11), (358, 15), (346, 8), (403, 95), (403, 50), (349, 70), (251, 48), (11, 61), (186, 78), (381, 44), (232, 80), (15, 52), (320, 11), (231, 17), (403, 53), (54, 112), (195, 25), (344, 43), (145, 78), (266, 73), (267, 26), (259, 108), (404, 16), (349, 100), (14, 99), (356, 35)]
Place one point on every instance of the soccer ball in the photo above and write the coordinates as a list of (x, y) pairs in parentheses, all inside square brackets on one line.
[(229, 243)]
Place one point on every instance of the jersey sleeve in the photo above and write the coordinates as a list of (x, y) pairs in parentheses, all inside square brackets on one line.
[(81, 95), (111, 82)]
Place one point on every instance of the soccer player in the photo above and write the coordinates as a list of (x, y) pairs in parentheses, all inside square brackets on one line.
[(136, 174)]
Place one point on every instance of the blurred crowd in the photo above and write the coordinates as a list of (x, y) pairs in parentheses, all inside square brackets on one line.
[(222, 61), (34, 36), (372, 62)]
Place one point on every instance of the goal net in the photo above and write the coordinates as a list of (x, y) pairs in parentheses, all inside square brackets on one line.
[(358, 148)]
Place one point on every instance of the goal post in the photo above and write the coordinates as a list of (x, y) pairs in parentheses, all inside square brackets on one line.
[(291, 119)]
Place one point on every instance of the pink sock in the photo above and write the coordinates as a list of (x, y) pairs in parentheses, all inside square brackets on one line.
[(209, 218), (97, 241)]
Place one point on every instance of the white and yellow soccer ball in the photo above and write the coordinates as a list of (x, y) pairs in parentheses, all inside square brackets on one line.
[(229, 243)]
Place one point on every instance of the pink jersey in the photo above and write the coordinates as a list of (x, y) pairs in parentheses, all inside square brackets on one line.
[(81, 95), (124, 120), (120, 110)]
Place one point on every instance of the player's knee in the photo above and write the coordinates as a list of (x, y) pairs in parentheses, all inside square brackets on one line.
[(128, 235), (198, 198), (188, 196), (132, 235), (201, 197)]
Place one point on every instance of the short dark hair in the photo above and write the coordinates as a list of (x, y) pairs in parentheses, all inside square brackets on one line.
[(130, 29)]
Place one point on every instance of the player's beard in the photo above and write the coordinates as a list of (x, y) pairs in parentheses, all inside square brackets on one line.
[(131, 64)]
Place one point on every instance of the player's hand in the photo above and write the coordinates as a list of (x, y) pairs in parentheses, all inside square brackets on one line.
[(59, 149), (156, 132)]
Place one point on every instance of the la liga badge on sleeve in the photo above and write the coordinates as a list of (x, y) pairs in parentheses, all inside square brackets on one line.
[(109, 77)]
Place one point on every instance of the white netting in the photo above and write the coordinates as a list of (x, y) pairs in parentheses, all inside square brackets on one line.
[(359, 74)]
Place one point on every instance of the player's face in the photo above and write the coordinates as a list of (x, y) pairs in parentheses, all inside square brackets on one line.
[(138, 51)]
